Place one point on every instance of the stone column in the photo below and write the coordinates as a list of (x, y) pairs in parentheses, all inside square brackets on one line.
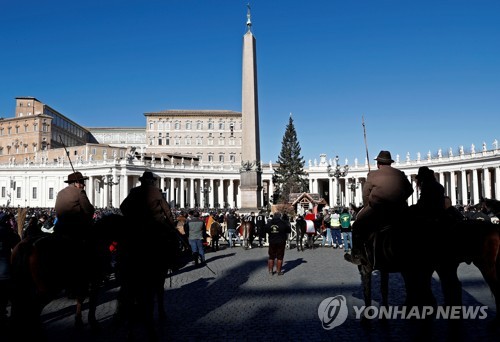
[(475, 187), (497, 183), (89, 190), (171, 194), (182, 195), (453, 190), (211, 194), (331, 186), (486, 183), (230, 193), (464, 187), (220, 193), (191, 192)]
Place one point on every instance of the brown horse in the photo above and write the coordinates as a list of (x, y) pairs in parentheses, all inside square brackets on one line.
[(44, 267), (247, 231), (395, 249)]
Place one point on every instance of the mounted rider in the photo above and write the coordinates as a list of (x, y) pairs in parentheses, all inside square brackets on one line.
[(74, 221), (384, 197)]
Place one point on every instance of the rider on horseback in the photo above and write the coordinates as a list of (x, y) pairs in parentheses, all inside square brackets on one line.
[(384, 196), (74, 221), (430, 206)]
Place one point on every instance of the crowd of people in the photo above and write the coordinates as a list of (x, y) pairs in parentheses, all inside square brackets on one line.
[(202, 231)]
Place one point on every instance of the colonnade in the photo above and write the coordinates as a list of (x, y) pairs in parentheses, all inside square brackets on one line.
[(464, 186)]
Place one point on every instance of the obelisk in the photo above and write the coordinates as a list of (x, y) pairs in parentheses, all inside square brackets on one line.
[(250, 172)]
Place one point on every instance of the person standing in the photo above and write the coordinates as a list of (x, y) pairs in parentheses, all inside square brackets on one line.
[(278, 231), (335, 227), (345, 229), (259, 225), (195, 231), (327, 233), (231, 224)]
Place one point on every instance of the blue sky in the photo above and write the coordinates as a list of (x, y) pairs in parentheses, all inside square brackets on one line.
[(424, 74)]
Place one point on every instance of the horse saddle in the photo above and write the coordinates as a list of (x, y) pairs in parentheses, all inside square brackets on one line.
[(380, 249)]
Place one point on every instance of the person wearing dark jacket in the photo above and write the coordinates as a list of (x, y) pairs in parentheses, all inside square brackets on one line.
[(384, 197), (430, 205), (277, 231)]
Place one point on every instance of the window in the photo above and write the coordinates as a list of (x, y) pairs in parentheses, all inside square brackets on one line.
[(199, 141), (18, 192), (210, 141), (51, 193), (210, 158), (199, 125), (167, 125), (221, 141), (210, 125), (177, 126), (160, 126), (221, 158), (221, 125), (9, 130), (188, 125), (177, 141), (34, 193), (20, 114), (17, 129), (3, 191), (231, 158), (160, 141), (151, 126), (188, 141)]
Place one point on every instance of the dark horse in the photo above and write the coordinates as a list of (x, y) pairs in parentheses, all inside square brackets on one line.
[(43, 267), (395, 249), (145, 258), (300, 229)]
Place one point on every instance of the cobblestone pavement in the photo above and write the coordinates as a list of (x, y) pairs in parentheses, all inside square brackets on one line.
[(241, 301)]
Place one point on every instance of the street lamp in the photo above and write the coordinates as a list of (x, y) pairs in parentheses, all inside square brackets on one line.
[(276, 193), (353, 185), (205, 191), (110, 183), (337, 173)]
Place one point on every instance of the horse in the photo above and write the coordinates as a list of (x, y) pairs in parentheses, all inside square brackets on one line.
[(45, 266), (144, 261), (394, 249), (300, 227), (247, 231)]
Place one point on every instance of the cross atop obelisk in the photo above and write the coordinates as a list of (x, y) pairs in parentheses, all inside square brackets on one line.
[(250, 172)]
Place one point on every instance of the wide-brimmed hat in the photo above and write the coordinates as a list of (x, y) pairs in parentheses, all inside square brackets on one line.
[(424, 173), (384, 157), (75, 177), (147, 175)]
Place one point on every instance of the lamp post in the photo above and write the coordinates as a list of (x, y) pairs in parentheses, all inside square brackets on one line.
[(109, 182), (337, 172), (353, 185), (205, 191), (275, 194)]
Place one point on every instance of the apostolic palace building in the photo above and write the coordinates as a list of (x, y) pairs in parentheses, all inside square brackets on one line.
[(202, 158)]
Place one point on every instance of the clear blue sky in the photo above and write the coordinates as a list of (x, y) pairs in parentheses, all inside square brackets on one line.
[(425, 74)]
